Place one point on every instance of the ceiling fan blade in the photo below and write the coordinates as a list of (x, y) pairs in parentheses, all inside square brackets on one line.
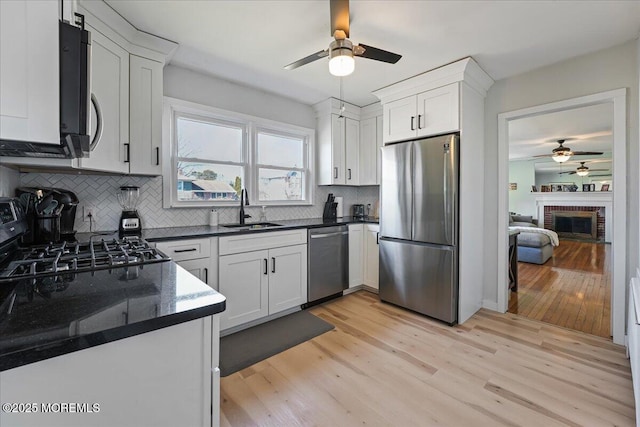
[(339, 10), (598, 170), (376, 54), (587, 153), (569, 172), (306, 60)]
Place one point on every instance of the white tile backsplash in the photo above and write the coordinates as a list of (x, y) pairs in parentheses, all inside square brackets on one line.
[(100, 191), (9, 180)]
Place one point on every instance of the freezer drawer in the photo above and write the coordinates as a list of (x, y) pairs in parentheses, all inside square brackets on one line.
[(420, 277)]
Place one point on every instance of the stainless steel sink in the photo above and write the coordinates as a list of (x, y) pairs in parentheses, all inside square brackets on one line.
[(254, 226)]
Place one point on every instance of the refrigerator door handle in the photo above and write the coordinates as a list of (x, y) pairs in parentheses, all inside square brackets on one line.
[(450, 184)]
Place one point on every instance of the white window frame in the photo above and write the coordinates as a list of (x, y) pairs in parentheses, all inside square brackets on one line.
[(174, 108)]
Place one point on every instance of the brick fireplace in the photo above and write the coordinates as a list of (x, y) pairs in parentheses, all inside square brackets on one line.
[(600, 202), (580, 222)]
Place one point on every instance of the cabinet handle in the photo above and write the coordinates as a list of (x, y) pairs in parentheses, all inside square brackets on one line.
[(206, 275), (419, 117), (349, 170), (157, 156), (273, 265), (184, 250), (377, 238), (266, 267), (413, 118), (335, 173), (128, 152)]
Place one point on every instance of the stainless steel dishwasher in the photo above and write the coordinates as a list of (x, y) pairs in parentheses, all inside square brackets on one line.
[(328, 269)]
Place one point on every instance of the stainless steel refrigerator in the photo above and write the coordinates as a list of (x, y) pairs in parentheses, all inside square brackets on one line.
[(419, 226)]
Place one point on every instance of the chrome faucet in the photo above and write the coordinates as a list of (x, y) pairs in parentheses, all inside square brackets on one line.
[(244, 201)]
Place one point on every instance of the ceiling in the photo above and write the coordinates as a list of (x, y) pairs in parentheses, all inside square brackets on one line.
[(584, 129), (250, 41)]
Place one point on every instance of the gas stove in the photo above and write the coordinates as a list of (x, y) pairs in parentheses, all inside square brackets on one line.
[(65, 257)]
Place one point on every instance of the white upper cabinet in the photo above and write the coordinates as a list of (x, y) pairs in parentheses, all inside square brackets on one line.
[(110, 106), (351, 149), (29, 70), (145, 101), (347, 145), (428, 113)]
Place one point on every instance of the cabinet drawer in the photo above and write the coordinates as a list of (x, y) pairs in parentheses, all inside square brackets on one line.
[(258, 241), (186, 249)]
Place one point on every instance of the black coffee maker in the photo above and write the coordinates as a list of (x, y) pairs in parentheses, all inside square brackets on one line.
[(50, 212)]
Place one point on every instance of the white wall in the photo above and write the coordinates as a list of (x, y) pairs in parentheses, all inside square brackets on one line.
[(9, 180), (204, 89), (521, 200), (608, 69)]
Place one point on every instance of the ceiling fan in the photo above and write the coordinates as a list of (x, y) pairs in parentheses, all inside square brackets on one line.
[(341, 50), (561, 153), (582, 170)]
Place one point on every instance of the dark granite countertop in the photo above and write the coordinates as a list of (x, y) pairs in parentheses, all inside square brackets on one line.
[(70, 312), (176, 233)]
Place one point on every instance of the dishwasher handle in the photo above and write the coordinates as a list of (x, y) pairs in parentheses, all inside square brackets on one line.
[(319, 236)]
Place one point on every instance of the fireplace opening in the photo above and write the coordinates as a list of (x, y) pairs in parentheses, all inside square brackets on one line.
[(577, 225)]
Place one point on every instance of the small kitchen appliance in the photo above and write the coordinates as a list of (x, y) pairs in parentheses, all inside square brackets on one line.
[(130, 223), (50, 214), (357, 211)]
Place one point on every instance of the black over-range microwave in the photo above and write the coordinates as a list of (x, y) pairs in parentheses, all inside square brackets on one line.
[(75, 100)]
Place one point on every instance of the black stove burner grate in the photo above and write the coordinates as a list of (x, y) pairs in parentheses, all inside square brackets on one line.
[(45, 260)]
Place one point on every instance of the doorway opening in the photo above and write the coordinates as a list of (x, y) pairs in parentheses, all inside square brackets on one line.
[(585, 269)]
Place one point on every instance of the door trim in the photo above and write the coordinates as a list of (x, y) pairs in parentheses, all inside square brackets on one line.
[(618, 98)]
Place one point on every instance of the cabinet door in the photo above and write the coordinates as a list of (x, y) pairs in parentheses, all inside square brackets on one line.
[(400, 119), (368, 148), (371, 255), (352, 146), (337, 149), (199, 268), (244, 280), (355, 255), (29, 70), (287, 277), (145, 102), (438, 110), (110, 88)]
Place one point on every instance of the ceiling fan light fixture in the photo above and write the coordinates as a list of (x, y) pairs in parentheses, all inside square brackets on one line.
[(341, 62), (582, 172), (561, 156)]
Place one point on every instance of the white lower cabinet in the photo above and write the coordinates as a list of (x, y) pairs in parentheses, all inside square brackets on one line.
[(135, 381), (260, 283), (363, 255), (198, 256), (356, 274), (371, 254), (244, 281)]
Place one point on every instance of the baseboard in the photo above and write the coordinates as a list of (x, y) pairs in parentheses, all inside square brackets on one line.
[(247, 325), (360, 288)]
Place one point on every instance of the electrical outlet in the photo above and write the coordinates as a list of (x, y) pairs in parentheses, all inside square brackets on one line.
[(88, 213)]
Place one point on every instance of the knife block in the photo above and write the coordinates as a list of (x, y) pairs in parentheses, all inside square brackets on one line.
[(330, 211)]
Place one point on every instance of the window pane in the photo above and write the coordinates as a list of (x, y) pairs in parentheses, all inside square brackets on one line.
[(208, 181), (210, 141), (278, 150), (280, 185)]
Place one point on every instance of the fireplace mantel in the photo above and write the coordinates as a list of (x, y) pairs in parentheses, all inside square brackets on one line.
[(578, 198)]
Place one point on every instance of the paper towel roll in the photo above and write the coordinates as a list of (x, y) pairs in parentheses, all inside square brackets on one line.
[(339, 207), (213, 218)]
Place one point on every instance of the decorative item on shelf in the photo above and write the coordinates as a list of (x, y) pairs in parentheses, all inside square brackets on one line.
[(534, 189), (586, 187), (513, 186), (545, 188), (605, 187), (569, 187)]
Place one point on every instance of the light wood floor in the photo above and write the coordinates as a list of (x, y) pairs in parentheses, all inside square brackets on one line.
[(383, 365), (572, 289)]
